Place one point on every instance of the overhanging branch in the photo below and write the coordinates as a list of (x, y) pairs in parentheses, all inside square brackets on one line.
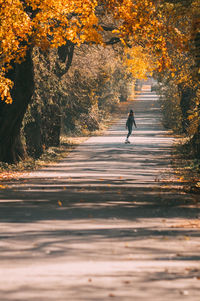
[(113, 41), (108, 28)]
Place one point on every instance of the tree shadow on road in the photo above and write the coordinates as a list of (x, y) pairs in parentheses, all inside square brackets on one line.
[(63, 199)]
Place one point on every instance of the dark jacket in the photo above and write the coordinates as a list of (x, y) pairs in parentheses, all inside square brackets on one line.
[(130, 121)]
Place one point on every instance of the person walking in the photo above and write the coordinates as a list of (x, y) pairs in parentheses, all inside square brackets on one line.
[(129, 125)]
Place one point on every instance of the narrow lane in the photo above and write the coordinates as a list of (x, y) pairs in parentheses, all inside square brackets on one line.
[(103, 223)]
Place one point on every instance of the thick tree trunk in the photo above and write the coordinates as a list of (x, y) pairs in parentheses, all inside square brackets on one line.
[(11, 116)]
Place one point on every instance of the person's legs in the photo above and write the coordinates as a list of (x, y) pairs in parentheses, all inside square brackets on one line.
[(129, 132)]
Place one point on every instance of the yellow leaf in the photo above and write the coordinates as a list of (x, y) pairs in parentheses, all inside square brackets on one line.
[(2, 187)]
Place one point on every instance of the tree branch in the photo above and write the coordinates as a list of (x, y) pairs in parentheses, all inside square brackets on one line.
[(65, 53), (113, 41), (108, 28)]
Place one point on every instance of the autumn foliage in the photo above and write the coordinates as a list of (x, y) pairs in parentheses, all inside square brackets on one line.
[(158, 37), (49, 24), (44, 24)]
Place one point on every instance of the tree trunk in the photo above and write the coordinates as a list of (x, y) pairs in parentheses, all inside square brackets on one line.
[(51, 125), (32, 132), (11, 116), (196, 143), (43, 129), (186, 94)]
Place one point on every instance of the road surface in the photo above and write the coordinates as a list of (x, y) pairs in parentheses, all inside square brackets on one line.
[(106, 223)]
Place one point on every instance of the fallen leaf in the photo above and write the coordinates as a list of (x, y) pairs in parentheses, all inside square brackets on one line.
[(35, 245), (185, 293), (2, 187), (127, 282), (188, 224), (60, 203), (192, 270), (126, 245)]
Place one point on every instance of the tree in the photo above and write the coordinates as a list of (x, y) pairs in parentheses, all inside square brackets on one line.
[(42, 121), (26, 24), (183, 75)]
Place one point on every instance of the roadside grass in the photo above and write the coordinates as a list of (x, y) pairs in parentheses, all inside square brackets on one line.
[(186, 166), (50, 156)]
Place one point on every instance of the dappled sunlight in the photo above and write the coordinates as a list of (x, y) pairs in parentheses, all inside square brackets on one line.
[(104, 218), (114, 219), (107, 173)]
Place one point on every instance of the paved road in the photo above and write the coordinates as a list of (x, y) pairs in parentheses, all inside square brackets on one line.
[(102, 224)]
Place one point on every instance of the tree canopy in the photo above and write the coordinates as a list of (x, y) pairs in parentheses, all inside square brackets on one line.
[(42, 23), (153, 25)]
